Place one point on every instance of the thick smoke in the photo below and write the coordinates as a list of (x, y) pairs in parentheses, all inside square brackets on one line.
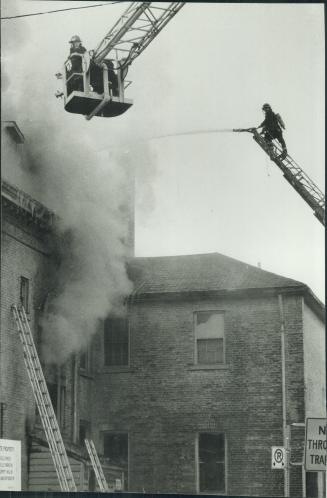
[(88, 193), (92, 195)]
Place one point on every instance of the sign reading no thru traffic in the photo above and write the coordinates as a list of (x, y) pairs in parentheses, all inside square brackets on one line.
[(316, 444)]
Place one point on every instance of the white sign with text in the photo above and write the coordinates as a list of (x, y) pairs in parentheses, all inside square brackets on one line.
[(10, 465)]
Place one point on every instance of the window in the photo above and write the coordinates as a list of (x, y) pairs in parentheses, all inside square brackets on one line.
[(311, 484), (58, 399), (209, 337), (115, 449), (24, 293), (85, 360), (211, 458), (84, 430), (116, 341)]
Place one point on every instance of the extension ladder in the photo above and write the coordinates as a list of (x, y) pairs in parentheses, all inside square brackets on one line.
[(96, 466), (43, 401), (293, 173)]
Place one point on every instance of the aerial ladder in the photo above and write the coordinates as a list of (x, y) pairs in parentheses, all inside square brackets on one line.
[(140, 23), (43, 402), (293, 173)]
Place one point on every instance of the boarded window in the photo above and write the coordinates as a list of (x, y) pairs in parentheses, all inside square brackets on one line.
[(209, 336), (116, 341), (212, 463), (24, 293)]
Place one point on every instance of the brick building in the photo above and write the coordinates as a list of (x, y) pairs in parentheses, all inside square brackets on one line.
[(196, 401), (188, 391)]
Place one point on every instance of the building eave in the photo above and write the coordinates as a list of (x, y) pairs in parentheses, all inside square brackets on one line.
[(303, 290), (14, 131), (15, 199)]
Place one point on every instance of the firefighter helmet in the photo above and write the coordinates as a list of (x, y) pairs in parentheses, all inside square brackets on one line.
[(266, 107), (75, 38)]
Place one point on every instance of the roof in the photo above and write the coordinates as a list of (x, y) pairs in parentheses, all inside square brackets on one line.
[(201, 272), (205, 273)]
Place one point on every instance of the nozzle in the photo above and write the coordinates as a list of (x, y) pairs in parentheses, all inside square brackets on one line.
[(250, 130)]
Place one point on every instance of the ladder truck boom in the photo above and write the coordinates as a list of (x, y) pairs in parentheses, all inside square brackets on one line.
[(94, 85), (294, 174), (137, 27)]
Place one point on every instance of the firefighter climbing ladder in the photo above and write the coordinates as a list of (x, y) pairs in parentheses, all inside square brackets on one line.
[(96, 466), (294, 174), (43, 401)]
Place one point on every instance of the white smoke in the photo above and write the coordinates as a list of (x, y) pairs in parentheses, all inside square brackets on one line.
[(91, 193)]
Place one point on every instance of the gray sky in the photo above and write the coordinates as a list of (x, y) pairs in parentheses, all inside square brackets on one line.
[(213, 66)]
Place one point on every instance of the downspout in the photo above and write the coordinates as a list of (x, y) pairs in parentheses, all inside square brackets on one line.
[(75, 388), (286, 428)]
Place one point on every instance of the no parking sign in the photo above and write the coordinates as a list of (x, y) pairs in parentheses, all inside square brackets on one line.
[(278, 457)]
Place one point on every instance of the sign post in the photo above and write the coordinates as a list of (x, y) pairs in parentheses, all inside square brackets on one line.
[(315, 444), (10, 465)]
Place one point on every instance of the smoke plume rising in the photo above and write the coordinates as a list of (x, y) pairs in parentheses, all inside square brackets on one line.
[(91, 193)]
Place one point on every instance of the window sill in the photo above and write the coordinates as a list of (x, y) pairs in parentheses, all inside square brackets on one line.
[(85, 373), (215, 493), (217, 366), (117, 369)]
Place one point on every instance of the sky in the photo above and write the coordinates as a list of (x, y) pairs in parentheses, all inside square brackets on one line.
[(212, 67)]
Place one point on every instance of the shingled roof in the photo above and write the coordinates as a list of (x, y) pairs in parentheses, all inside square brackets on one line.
[(201, 272)]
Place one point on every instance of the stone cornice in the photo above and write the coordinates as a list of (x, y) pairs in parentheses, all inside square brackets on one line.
[(13, 197)]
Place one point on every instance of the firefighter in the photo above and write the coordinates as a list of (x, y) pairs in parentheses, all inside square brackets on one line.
[(272, 128), (76, 47), (112, 76)]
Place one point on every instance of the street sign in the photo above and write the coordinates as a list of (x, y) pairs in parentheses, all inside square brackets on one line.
[(10, 465), (316, 444), (278, 457)]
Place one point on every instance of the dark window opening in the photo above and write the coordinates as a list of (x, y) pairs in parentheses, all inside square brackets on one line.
[(116, 341), (24, 293), (311, 484), (212, 463), (115, 450), (58, 402), (84, 431), (85, 360)]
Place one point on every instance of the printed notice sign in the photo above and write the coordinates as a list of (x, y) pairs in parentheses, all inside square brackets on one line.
[(10, 465), (316, 444)]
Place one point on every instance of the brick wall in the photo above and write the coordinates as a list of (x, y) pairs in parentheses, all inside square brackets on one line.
[(314, 364), (163, 403), (24, 253)]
